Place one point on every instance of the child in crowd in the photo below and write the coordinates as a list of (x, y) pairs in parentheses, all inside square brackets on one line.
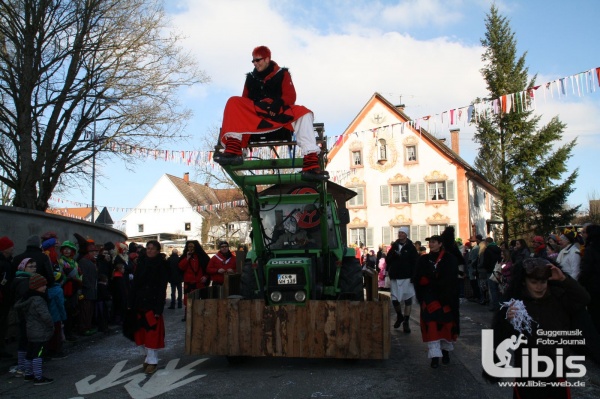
[(39, 325), (19, 288)]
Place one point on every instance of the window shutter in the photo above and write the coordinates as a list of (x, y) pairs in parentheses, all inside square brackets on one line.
[(450, 190), (384, 194), (412, 193), (423, 233), (386, 236), (360, 198), (369, 237), (421, 192), (414, 233)]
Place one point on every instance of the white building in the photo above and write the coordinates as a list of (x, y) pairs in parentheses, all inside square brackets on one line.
[(176, 210), (405, 177)]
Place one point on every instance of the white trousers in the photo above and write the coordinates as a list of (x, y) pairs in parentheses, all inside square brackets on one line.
[(151, 354), (303, 129), (435, 348)]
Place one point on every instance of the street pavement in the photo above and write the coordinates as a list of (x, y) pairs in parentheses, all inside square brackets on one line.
[(109, 366)]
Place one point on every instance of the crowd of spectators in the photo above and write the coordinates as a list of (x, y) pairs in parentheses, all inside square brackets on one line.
[(85, 288)]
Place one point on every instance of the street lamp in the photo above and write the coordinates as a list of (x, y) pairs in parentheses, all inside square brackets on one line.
[(93, 176)]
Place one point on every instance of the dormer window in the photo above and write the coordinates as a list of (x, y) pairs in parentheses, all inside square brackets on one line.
[(411, 153), (356, 158)]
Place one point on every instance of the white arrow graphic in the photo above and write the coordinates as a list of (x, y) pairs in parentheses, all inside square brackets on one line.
[(84, 387), (163, 380)]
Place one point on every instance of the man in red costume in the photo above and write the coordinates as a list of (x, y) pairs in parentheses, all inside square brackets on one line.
[(268, 104)]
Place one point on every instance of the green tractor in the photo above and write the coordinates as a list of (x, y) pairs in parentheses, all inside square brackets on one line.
[(300, 288)]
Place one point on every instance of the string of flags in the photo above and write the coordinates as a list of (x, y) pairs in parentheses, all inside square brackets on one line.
[(199, 208), (579, 85), (335, 176)]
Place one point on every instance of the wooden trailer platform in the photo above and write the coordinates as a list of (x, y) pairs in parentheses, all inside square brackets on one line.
[(321, 329)]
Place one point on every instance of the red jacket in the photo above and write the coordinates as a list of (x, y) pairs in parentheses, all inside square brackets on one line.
[(192, 271), (219, 262)]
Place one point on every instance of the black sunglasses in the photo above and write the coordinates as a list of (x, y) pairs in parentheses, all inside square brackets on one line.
[(257, 59)]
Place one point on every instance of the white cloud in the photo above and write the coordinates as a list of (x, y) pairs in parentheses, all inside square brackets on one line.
[(420, 13), (334, 73)]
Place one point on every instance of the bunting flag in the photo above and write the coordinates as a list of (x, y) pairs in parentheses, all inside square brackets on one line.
[(581, 83), (201, 208)]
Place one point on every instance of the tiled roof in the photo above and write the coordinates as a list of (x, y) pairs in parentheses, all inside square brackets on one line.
[(199, 194), (79, 213)]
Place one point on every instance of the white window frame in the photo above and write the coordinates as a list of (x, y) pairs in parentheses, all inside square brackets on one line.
[(415, 154), (357, 235), (396, 192), (436, 229), (356, 162), (434, 193)]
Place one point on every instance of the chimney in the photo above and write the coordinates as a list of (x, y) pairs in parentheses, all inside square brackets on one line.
[(186, 177), (454, 140), (400, 107)]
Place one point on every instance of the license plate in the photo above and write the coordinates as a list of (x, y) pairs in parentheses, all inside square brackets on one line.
[(286, 279)]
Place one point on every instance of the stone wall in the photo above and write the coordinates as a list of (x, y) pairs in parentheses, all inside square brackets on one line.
[(20, 223)]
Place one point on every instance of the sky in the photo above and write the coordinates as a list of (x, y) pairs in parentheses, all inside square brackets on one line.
[(425, 54)]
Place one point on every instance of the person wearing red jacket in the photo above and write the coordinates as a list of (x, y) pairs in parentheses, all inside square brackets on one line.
[(223, 262), (267, 104), (193, 264)]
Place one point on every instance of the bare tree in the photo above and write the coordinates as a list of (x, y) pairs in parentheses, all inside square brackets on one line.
[(80, 79), (6, 194)]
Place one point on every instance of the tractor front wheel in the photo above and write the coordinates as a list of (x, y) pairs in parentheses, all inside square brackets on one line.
[(351, 280)]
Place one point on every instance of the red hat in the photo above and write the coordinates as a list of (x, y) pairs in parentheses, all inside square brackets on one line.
[(261, 51), (538, 239), (6, 243)]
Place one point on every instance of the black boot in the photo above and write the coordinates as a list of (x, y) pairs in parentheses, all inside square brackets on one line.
[(172, 305), (314, 175), (435, 362), (179, 305), (227, 158), (405, 325), (398, 321), (398, 310), (445, 357)]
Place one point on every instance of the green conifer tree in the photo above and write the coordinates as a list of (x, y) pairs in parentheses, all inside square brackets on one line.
[(523, 162)]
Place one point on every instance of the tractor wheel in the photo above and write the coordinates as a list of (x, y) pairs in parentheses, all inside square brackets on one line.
[(351, 280)]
